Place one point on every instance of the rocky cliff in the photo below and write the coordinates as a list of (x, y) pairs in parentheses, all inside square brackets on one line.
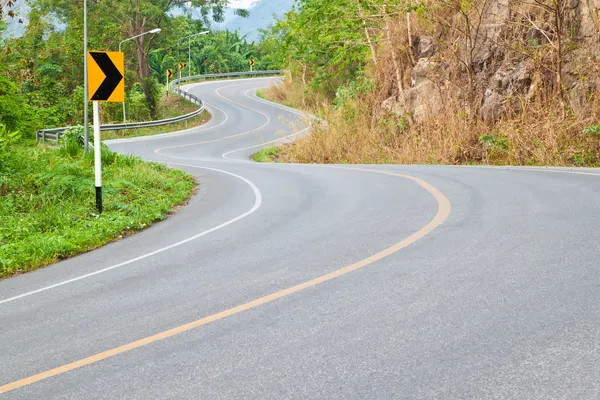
[(496, 56)]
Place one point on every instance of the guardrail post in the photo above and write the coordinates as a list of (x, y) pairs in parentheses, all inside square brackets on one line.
[(43, 137), (37, 136)]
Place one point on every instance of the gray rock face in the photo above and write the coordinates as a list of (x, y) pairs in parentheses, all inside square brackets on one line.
[(424, 100), (508, 81), (426, 47), (503, 79)]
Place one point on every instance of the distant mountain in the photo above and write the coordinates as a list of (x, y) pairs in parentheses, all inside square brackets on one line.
[(262, 14)]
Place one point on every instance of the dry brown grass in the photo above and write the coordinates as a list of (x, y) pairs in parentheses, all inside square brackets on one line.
[(536, 131), (294, 93), (536, 136)]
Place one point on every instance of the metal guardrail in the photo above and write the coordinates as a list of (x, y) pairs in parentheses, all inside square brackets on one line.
[(227, 75), (54, 134)]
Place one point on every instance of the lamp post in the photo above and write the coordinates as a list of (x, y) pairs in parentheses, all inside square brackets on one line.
[(189, 37), (157, 30), (85, 79)]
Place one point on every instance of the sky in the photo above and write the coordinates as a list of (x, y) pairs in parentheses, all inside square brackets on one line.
[(258, 19), (242, 3)]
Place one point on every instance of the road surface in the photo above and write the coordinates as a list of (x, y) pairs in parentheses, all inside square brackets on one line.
[(320, 282)]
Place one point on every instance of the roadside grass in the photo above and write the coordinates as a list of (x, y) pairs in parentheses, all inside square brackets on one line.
[(47, 211), (266, 155), (170, 106), (356, 134), (266, 94)]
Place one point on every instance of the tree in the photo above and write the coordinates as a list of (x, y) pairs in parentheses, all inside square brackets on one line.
[(132, 18), (138, 16), (554, 32)]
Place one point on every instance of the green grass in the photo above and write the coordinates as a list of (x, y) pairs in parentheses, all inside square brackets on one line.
[(170, 107), (261, 93), (266, 155), (47, 211), (179, 126)]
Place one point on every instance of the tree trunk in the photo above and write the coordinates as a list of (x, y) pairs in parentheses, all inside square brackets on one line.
[(559, 24), (409, 32), (394, 55), (367, 34), (143, 60)]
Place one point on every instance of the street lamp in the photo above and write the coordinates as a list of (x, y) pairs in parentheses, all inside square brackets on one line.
[(190, 48), (157, 30)]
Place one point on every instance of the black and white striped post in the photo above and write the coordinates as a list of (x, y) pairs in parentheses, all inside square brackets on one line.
[(105, 77)]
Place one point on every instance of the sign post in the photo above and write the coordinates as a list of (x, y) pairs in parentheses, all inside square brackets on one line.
[(251, 62), (169, 76), (181, 68), (106, 84)]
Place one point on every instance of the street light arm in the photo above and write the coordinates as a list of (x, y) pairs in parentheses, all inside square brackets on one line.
[(195, 34), (135, 37)]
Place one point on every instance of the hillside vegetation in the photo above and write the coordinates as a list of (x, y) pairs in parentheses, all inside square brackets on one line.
[(47, 193), (47, 208), (480, 81)]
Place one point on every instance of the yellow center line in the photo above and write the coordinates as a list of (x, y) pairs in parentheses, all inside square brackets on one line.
[(441, 216)]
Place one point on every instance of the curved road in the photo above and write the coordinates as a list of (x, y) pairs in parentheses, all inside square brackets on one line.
[(321, 282)]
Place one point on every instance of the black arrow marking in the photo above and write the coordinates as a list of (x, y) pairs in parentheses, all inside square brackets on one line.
[(113, 76)]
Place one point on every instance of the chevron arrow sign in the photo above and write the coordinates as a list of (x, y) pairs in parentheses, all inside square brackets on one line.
[(105, 76)]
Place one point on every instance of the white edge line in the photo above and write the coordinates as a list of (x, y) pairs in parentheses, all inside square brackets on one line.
[(188, 131), (224, 155), (257, 204), (275, 105)]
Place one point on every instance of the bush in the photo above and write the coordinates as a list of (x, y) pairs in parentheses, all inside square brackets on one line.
[(7, 137), (153, 92), (15, 114)]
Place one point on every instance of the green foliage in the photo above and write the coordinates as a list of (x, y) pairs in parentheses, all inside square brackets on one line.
[(7, 139), (153, 92), (322, 40), (41, 78), (15, 114), (494, 141), (47, 208), (393, 123), (266, 155), (584, 158), (592, 130), (74, 134), (352, 91)]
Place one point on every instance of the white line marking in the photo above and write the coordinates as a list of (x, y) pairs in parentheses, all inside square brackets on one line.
[(189, 131), (257, 204), (554, 171), (275, 105), (224, 155), (291, 110)]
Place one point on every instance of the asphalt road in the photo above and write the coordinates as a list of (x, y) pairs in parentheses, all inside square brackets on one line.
[(320, 282)]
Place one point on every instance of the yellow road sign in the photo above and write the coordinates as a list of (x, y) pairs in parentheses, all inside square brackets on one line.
[(170, 73), (252, 62), (181, 66), (105, 76)]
